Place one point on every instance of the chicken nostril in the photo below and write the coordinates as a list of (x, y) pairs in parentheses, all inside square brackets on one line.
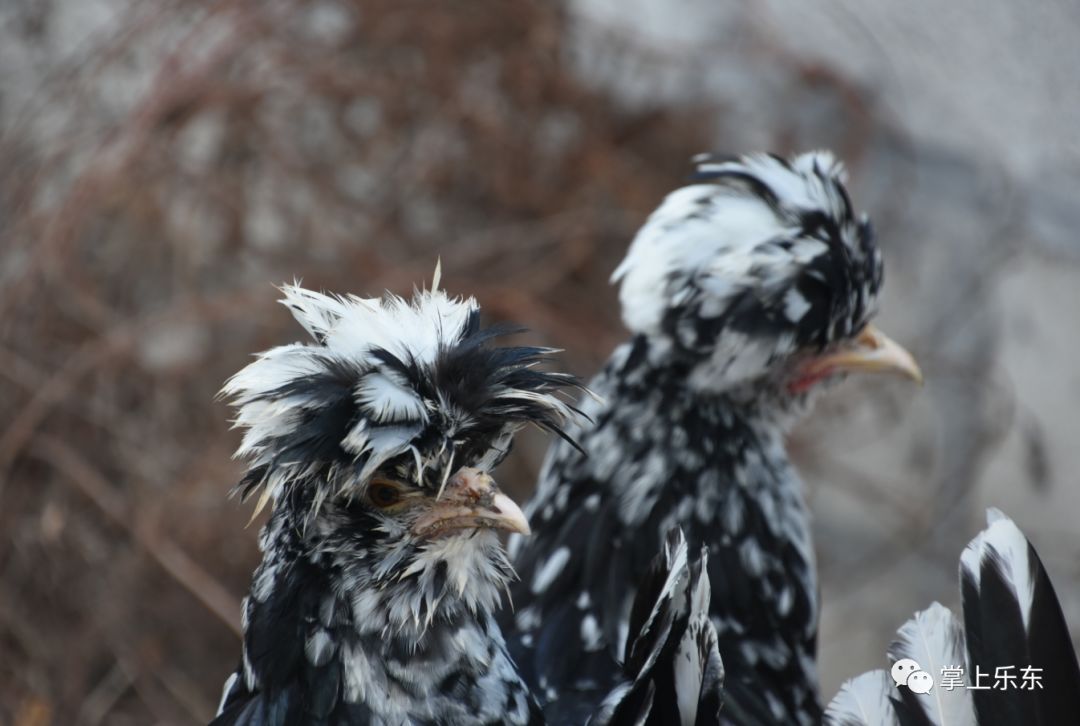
[(471, 481)]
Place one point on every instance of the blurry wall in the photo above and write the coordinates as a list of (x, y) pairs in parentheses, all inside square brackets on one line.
[(165, 164)]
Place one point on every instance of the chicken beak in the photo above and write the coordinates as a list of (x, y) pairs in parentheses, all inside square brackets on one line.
[(871, 352), (471, 500)]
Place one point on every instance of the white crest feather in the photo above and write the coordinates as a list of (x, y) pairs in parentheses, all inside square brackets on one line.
[(386, 398), (335, 410), (347, 332)]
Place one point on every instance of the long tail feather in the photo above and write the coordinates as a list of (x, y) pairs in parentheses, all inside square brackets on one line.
[(1014, 627)]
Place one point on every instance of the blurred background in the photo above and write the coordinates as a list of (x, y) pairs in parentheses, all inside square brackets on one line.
[(164, 164)]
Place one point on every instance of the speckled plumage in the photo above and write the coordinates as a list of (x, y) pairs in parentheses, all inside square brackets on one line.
[(356, 614), (731, 283), (1011, 622), (324, 643), (374, 611)]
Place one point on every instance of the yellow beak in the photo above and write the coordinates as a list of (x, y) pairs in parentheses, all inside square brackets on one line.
[(870, 352)]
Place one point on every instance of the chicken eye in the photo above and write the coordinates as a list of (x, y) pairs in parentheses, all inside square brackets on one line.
[(383, 493)]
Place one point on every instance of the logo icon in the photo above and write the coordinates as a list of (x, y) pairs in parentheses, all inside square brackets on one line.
[(920, 682), (903, 668), (906, 672)]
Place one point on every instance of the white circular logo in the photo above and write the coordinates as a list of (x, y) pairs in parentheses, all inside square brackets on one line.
[(902, 669)]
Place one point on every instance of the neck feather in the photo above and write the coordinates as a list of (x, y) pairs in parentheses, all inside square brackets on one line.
[(394, 635), (755, 394)]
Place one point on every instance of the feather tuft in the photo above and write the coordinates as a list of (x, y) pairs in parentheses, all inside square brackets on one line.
[(934, 639), (865, 700), (386, 382)]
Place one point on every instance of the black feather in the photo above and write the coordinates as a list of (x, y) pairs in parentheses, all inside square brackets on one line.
[(668, 622), (998, 569), (1050, 643), (996, 637)]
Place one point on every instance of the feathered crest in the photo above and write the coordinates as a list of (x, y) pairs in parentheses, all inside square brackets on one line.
[(763, 250), (386, 379), (813, 181)]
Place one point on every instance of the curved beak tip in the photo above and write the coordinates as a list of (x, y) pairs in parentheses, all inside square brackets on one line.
[(472, 501), (872, 352), (509, 515), (917, 375), (888, 356)]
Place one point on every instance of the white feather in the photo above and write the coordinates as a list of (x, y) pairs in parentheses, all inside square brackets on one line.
[(934, 639), (558, 407), (551, 568), (350, 329), (591, 636), (385, 397), (864, 700), (675, 557), (384, 443), (414, 331), (270, 371), (795, 305), (356, 441), (352, 326), (690, 661), (698, 231), (798, 186), (317, 313), (226, 691), (319, 647)]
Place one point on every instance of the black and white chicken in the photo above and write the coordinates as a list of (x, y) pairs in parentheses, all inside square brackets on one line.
[(1009, 660), (744, 292), (382, 569)]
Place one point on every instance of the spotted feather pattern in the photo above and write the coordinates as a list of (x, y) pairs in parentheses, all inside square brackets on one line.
[(759, 261), (352, 617), (709, 469)]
